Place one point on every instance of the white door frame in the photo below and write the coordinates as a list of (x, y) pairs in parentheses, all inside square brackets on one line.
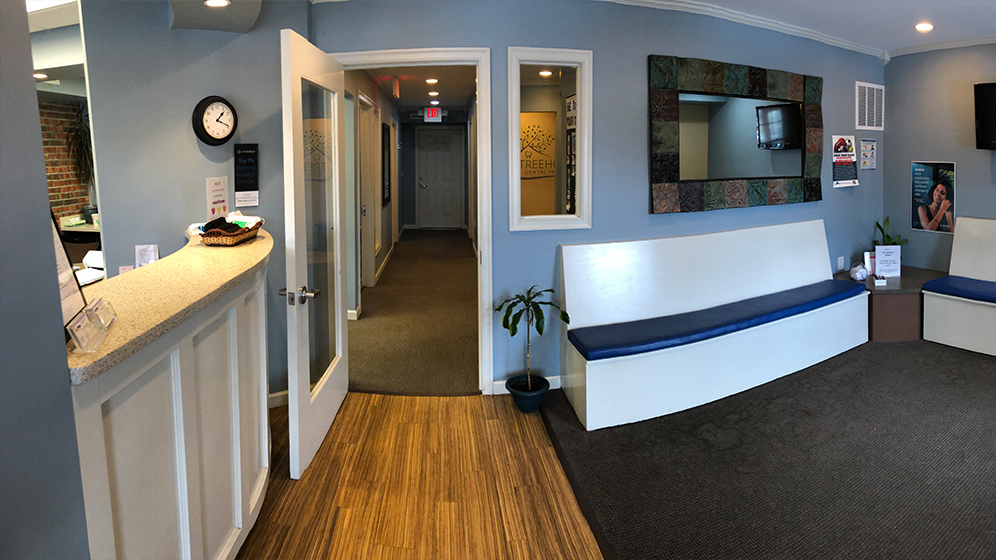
[(481, 59), (463, 170), (365, 137), (396, 155)]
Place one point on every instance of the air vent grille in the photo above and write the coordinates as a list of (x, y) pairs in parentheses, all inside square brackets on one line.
[(869, 106)]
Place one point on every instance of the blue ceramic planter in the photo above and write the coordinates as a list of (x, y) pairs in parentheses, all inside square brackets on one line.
[(527, 401)]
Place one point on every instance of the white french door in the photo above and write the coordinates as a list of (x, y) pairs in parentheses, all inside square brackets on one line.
[(314, 209)]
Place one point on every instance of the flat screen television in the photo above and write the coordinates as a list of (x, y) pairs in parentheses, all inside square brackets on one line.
[(985, 116), (779, 127)]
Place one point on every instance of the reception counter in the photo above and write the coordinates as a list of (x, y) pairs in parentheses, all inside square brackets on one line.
[(171, 411)]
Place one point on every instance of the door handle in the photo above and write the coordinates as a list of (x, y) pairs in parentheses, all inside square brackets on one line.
[(304, 295), (423, 185), (290, 296)]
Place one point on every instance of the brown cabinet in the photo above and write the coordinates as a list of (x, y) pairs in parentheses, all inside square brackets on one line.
[(895, 311)]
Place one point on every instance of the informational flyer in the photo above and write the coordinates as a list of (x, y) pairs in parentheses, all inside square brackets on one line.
[(845, 163), (932, 196), (217, 197), (146, 254), (887, 264), (246, 175), (868, 147)]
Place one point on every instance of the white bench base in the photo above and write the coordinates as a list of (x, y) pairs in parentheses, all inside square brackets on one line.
[(959, 322), (616, 391)]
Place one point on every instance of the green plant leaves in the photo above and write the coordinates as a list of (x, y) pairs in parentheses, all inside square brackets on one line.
[(527, 303), (540, 318), (513, 326)]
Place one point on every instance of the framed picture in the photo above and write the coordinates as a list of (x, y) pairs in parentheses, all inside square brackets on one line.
[(932, 196)]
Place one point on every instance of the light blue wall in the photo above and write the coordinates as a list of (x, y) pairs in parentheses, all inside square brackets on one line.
[(41, 487), (145, 80), (733, 150), (930, 116), (621, 37)]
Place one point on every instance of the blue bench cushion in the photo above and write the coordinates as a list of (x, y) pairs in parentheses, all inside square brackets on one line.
[(959, 286), (635, 337)]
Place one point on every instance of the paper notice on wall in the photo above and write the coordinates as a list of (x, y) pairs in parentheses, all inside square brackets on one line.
[(217, 197), (145, 254), (868, 155), (845, 166)]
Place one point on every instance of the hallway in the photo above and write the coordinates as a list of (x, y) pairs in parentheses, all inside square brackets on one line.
[(417, 331)]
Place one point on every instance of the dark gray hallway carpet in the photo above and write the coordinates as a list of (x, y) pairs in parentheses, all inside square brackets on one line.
[(417, 331), (886, 451)]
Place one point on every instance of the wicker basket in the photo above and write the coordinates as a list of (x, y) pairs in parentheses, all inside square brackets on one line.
[(218, 238)]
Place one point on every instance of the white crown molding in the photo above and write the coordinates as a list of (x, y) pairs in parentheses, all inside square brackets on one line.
[(702, 8), (940, 46)]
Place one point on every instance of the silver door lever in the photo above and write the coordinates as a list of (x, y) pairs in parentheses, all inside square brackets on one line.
[(303, 294)]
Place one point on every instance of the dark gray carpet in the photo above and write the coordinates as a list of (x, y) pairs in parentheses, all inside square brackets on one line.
[(886, 451), (417, 331)]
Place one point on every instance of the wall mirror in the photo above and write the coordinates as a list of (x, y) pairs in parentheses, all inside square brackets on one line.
[(724, 137), (549, 138), (706, 161)]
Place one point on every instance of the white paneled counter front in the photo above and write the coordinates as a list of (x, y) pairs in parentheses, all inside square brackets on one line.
[(171, 412)]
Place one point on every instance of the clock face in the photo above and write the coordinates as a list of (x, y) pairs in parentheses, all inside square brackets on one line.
[(214, 120), (218, 120)]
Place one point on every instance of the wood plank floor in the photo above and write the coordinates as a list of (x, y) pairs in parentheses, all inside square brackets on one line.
[(422, 477)]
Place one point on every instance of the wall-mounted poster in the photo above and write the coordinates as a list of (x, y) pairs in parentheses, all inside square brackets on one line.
[(538, 165), (933, 196), (845, 166), (868, 155), (572, 144)]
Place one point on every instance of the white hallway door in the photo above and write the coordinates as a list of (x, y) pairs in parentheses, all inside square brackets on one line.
[(313, 110), (441, 177)]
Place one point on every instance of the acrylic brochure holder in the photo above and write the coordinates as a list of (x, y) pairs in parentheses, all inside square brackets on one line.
[(89, 329)]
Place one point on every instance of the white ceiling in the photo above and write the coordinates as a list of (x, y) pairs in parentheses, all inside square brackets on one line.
[(456, 86), (882, 28), (51, 14)]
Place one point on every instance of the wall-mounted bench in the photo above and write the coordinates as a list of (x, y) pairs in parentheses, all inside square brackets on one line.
[(663, 325), (960, 309)]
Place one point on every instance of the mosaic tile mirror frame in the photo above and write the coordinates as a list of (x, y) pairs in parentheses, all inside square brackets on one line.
[(670, 75)]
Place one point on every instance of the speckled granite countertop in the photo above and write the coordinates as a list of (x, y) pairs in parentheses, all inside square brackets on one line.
[(157, 297)]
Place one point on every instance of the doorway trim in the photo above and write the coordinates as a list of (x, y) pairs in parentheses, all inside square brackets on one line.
[(367, 116), (481, 59)]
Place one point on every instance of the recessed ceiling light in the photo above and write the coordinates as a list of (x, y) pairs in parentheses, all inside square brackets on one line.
[(923, 26), (433, 93), (431, 81), (434, 102), (546, 73), (39, 76), (217, 3)]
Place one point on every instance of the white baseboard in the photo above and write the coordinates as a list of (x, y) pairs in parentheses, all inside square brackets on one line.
[(499, 386), (352, 315), (383, 265), (276, 399)]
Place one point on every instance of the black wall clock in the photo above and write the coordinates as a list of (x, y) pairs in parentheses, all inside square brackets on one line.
[(214, 120)]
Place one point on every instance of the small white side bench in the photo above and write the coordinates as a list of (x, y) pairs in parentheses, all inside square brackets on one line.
[(966, 320)]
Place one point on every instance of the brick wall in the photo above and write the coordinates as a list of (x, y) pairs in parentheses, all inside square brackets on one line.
[(65, 193)]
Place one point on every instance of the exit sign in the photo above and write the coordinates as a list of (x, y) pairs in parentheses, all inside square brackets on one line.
[(433, 114)]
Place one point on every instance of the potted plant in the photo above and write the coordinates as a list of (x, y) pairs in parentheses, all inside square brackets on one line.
[(886, 238), (81, 154), (527, 390)]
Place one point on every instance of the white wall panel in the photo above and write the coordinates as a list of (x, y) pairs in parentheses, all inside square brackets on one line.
[(213, 363), (138, 426)]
